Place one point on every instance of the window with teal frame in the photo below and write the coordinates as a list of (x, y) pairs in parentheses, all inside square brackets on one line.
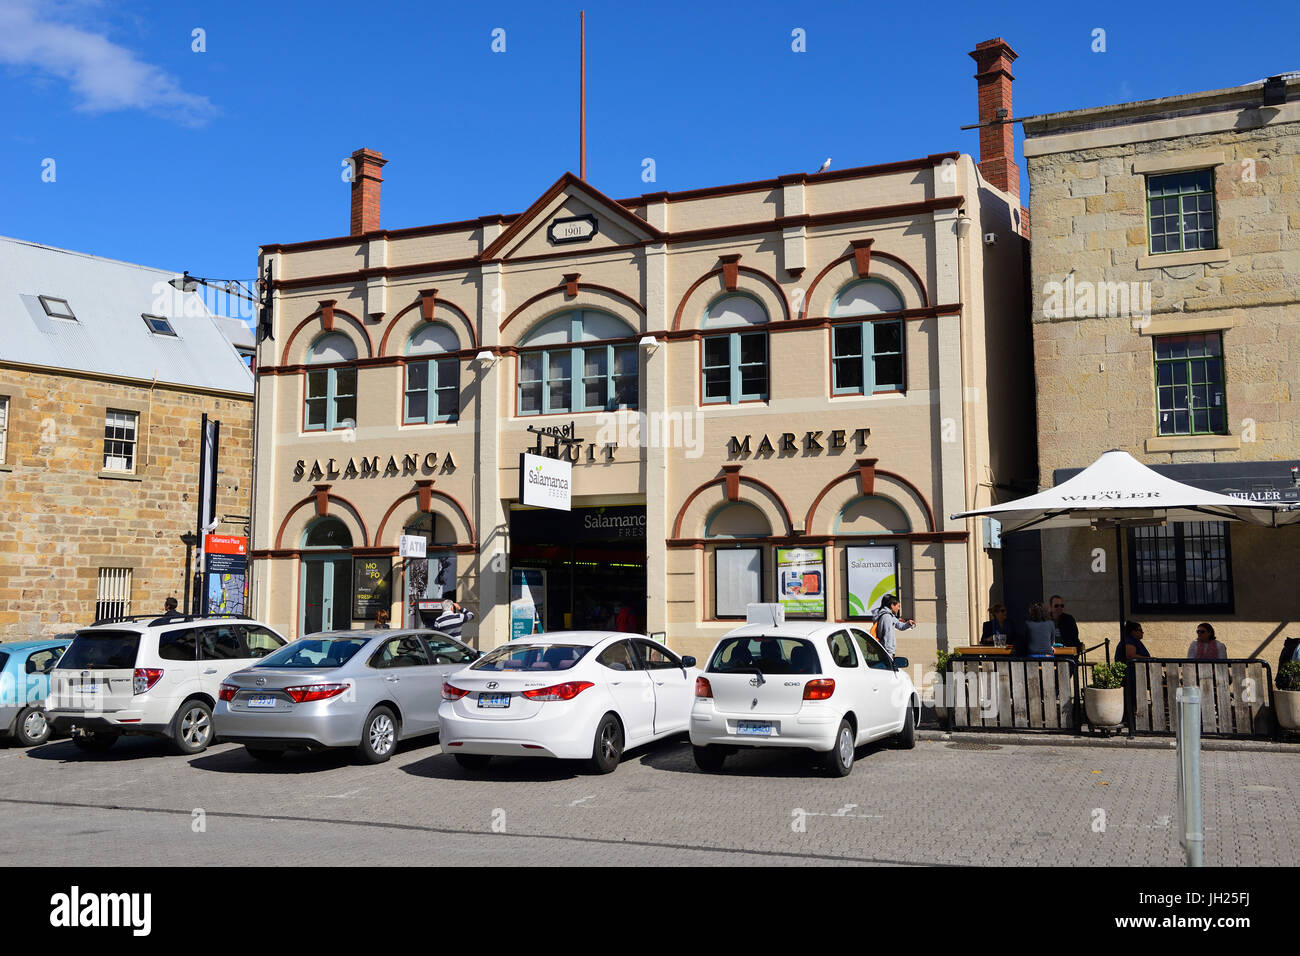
[(1190, 384), (867, 356), (574, 376), (735, 362), (330, 399), (432, 385), (1180, 211)]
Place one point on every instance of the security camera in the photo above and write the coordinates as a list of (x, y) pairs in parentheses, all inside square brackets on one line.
[(990, 238)]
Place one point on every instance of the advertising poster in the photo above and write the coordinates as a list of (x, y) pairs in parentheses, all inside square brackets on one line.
[(872, 573), (801, 581), (527, 601), (371, 587), (225, 573)]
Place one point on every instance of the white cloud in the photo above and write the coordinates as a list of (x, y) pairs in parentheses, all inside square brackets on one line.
[(104, 75)]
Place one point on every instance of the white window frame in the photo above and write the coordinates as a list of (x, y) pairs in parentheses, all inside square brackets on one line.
[(113, 593), (133, 442)]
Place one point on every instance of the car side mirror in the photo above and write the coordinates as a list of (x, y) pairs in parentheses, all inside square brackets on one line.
[(900, 663), (688, 661)]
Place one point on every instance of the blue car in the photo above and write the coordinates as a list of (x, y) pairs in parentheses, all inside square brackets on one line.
[(24, 684)]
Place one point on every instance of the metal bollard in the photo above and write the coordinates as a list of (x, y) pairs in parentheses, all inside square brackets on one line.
[(1189, 773)]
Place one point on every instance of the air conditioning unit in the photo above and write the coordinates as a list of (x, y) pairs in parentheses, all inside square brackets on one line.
[(992, 533)]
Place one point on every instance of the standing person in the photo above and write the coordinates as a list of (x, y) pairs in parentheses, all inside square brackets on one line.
[(887, 622), (381, 619), (169, 609), (1041, 631), (625, 619), (1207, 646), (1066, 627), (996, 626), (453, 619), (1130, 646)]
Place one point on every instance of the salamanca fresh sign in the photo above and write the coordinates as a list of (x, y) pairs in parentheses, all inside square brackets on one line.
[(545, 482), (873, 573)]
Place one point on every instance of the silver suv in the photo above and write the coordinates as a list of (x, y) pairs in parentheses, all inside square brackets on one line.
[(151, 675)]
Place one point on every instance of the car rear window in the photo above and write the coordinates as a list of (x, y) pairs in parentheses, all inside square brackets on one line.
[(315, 652), (771, 655), (4, 659), (531, 657), (101, 650)]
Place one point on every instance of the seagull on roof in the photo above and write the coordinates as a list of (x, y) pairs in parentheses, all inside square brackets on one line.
[(825, 166)]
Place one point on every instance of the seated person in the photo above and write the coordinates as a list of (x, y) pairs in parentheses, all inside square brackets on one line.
[(996, 626), (1040, 632), (1207, 646), (1130, 646)]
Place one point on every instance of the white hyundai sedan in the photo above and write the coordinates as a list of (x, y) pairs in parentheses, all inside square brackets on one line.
[(824, 687), (577, 695)]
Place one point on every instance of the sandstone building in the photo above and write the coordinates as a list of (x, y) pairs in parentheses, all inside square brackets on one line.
[(105, 373), (1166, 284), (814, 362)]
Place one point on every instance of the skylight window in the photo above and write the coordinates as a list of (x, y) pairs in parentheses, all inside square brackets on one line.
[(157, 324), (56, 308)]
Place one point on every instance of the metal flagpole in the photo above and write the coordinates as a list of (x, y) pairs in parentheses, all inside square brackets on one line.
[(582, 95)]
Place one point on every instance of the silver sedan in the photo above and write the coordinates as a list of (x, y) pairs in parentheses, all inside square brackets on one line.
[(362, 689)]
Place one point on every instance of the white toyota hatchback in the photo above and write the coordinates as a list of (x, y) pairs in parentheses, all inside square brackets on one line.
[(577, 695), (824, 687)]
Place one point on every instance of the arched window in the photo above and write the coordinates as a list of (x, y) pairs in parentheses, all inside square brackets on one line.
[(737, 571), (330, 401), (735, 362), (327, 533), (867, 356), (571, 375), (432, 384)]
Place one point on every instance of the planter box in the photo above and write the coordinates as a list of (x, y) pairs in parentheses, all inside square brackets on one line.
[(1105, 707), (1288, 708)]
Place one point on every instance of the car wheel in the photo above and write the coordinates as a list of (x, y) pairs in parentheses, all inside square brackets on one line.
[(607, 749), (94, 742), (474, 761), (258, 753), (192, 727), (907, 736), (378, 736), (31, 727), (710, 758), (839, 761)]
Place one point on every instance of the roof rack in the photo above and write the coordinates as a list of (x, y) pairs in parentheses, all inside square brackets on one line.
[(167, 618)]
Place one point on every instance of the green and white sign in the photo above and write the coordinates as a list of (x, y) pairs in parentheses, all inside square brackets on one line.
[(801, 581), (872, 573)]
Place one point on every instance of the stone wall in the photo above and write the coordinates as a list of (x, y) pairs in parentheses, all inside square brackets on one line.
[(65, 518)]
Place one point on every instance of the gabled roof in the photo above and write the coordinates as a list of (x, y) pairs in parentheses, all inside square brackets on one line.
[(109, 336), (569, 184)]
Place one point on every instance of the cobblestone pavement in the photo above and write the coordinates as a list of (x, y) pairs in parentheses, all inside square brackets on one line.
[(942, 803)]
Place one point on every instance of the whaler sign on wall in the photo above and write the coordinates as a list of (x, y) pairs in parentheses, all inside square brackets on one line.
[(371, 467)]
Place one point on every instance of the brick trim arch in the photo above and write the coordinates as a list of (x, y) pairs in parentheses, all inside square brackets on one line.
[(315, 317), (741, 270), (782, 509), (459, 312), (581, 286), (920, 498), (471, 540), (876, 255), (311, 500)]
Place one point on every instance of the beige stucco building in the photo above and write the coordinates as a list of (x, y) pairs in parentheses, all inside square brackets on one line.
[(817, 361), (1166, 283)]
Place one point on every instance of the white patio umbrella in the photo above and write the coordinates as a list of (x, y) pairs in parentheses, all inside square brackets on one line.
[(1117, 490)]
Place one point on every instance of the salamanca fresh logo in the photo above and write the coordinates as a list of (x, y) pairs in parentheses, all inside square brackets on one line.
[(75, 909)]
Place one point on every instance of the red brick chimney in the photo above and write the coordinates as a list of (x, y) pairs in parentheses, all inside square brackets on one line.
[(997, 144), (366, 165)]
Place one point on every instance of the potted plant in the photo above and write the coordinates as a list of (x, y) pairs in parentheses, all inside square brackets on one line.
[(941, 691), (1103, 698), (1287, 697)]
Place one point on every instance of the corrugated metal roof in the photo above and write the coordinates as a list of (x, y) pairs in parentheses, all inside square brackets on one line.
[(109, 336)]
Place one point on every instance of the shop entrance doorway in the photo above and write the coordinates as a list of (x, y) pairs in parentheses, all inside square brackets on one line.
[(326, 591), (594, 560)]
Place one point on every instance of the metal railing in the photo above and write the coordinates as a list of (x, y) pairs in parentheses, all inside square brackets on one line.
[(995, 692), (1236, 695)]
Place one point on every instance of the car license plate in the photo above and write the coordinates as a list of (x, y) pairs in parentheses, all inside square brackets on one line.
[(88, 688), (494, 700), (755, 728), (261, 702)]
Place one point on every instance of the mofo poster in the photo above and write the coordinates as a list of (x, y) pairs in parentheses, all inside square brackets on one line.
[(872, 573), (801, 581), (225, 573)]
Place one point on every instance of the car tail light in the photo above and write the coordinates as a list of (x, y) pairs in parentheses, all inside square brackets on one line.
[(566, 691), (452, 693), (309, 692), (818, 689), (144, 678), (227, 692), (703, 688)]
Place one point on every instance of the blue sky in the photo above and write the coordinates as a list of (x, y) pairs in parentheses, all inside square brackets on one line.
[(190, 160)]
